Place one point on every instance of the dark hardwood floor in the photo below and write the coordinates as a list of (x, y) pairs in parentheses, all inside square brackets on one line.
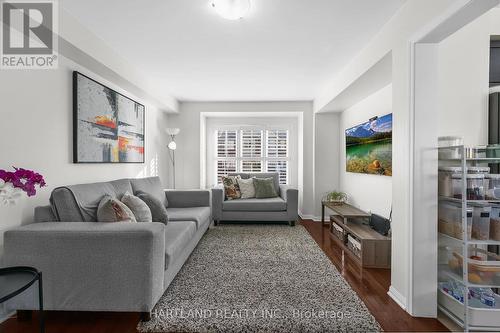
[(371, 286)]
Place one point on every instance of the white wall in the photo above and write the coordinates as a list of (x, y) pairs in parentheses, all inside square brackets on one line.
[(369, 192), (464, 80), (188, 141), (36, 133), (326, 157)]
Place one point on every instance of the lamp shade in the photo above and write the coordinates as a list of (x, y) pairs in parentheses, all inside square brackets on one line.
[(173, 131), (172, 145)]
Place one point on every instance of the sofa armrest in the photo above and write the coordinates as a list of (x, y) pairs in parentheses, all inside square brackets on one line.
[(188, 198), (91, 266), (291, 197), (217, 200)]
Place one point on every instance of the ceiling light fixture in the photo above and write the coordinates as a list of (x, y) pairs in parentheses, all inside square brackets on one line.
[(231, 9)]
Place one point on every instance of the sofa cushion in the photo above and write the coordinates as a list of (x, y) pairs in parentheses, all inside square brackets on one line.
[(140, 209), (231, 187), (199, 215), (158, 210), (255, 205), (247, 188), (274, 175), (78, 203), (177, 237), (264, 188), (151, 185), (113, 210)]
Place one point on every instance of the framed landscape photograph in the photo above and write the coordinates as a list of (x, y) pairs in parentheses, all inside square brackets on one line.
[(108, 127), (369, 147)]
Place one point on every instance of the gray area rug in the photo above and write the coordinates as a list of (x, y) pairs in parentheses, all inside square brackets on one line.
[(259, 278)]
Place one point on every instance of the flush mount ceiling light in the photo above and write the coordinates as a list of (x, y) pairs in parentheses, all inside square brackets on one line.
[(231, 9)]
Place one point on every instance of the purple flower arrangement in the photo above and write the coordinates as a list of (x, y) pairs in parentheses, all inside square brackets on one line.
[(12, 182)]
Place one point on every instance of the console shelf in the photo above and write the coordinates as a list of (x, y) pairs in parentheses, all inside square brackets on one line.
[(346, 228)]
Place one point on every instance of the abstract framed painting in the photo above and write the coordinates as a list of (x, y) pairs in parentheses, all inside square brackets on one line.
[(108, 127), (369, 147)]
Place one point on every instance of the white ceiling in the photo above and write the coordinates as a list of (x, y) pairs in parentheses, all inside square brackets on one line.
[(283, 50)]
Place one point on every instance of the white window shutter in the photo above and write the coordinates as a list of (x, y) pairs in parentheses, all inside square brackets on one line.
[(225, 167), (251, 166), (277, 143), (281, 167), (226, 143), (251, 143)]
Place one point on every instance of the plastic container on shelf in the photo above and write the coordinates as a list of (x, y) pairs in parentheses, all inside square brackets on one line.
[(476, 170), (450, 141), (475, 186), (495, 223), (445, 185), (449, 215), (458, 225), (493, 186), (479, 314), (481, 224), (483, 269)]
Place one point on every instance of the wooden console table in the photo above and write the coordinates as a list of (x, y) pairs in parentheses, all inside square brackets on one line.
[(375, 249)]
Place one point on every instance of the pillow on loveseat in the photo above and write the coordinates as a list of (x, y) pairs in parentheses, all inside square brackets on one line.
[(264, 188), (247, 188), (113, 210), (231, 187)]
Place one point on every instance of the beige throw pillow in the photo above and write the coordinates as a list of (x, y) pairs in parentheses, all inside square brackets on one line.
[(247, 188), (113, 210)]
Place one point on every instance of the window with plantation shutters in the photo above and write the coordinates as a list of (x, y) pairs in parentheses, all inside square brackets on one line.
[(225, 167), (281, 167), (277, 143), (226, 143), (253, 150), (251, 143)]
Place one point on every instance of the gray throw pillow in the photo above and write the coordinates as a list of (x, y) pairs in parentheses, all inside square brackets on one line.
[(264, 188), (158, 210), (141, 211), (113, 210)]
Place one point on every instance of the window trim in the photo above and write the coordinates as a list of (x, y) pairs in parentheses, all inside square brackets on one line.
[(264, 159)]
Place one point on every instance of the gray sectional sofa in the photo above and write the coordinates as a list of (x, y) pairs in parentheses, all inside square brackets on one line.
[(282, 208), (92, 266)]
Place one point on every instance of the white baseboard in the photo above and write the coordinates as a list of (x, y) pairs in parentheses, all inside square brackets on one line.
[(310, 217), (397, 297)]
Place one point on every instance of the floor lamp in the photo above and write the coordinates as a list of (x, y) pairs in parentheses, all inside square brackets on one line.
[(172, 146)]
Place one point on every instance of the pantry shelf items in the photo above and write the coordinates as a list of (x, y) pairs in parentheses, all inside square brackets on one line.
[(469, 235)]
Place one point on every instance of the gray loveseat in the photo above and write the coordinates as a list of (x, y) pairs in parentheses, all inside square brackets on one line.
[(282, 208), (92, 266)]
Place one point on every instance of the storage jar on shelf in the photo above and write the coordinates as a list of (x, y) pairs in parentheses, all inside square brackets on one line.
[(493, 186), (449, 214), (481, 223), (445, 184), (449, 141), (458, 225), (495, 223), (475, 186)]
